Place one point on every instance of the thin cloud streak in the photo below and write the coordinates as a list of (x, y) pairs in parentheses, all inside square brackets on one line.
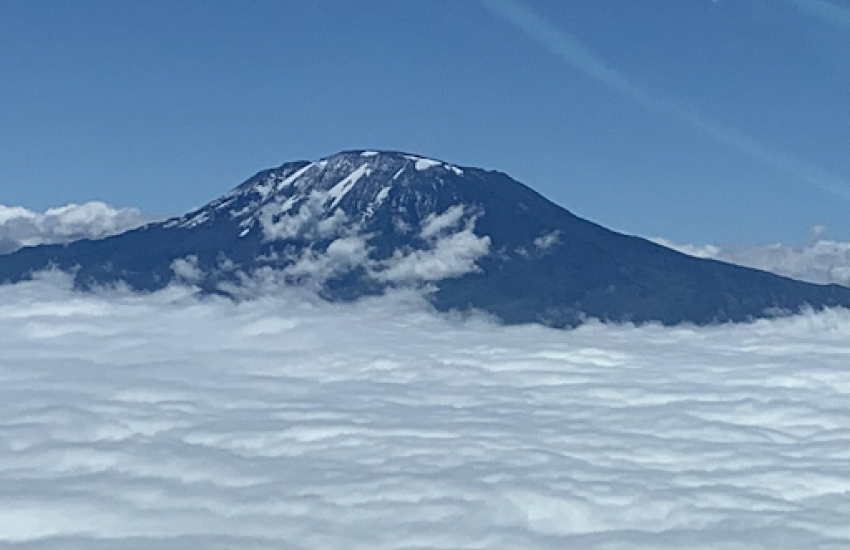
[(827, 11), (575, 54)]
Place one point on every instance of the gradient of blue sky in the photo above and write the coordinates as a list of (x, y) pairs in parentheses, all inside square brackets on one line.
[(165, 104)]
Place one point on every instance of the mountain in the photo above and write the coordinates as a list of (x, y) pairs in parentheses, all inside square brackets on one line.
[(359, 222)]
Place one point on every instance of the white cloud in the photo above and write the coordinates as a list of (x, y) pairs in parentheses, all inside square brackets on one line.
[(187, 269), (308, 222), (830, 12), (822, 261), (435, 224), (449, 254), (341, 256), (139, 421), (451, 247), (21, 227), (547, 241)]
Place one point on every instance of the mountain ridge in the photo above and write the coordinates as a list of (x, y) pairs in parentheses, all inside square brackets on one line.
[(359, 222)]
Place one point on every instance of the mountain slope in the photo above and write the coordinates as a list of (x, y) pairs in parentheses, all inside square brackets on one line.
[(357, 222)]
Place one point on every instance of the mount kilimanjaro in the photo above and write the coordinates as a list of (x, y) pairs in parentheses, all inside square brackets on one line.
[(359, 222)]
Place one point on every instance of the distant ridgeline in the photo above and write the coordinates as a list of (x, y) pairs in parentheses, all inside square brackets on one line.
[(360, 222)]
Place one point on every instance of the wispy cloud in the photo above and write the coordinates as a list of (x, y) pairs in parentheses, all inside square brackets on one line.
[(827, 11), (579, 57)]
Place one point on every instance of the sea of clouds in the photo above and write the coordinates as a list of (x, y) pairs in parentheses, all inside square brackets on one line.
[(171, 421)]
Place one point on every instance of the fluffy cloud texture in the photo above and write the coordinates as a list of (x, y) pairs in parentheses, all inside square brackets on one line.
[(451, 247), (169, 421), (821, 261), (452, 251), (21, 227)]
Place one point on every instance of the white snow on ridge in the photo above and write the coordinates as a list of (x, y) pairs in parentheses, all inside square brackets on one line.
[(196, 220), (369, 154), (287, 205), (378, 201), (338, 191), (264, 188), (224, 202), (424, 164), (292, 178), (123, 428)]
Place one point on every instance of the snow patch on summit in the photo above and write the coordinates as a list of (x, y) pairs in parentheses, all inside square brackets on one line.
[(382, 196), (424, 164), (421, 164), (292, 178), (379, 200), (196, 220), (338, 191)]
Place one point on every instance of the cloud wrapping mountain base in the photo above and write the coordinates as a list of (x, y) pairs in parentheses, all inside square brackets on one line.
[(822, 261), (21, 227), (166, 421)]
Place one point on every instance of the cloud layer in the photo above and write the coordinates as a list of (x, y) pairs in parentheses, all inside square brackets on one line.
[(169, 421), (21, 227), (822, 261)]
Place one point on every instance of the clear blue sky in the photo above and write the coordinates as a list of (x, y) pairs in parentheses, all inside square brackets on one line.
[(703, 121)]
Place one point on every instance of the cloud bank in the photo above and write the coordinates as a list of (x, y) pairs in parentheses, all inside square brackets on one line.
[(20, 227), (822, 261), (169, 421)]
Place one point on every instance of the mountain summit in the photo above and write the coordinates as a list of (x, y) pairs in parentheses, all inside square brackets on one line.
[(359, 222)]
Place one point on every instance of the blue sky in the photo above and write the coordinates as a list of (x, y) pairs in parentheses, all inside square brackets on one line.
[(702, 121)]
